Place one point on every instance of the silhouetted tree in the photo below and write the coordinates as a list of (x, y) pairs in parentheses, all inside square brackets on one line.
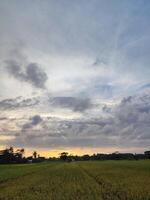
[(7, 156), (34, 154), (20, 152), (64, 156), (11, 150)]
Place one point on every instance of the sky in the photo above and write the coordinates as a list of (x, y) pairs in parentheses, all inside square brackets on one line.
[(75, 75)]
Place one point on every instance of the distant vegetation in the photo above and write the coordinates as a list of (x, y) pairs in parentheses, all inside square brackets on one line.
[(8, 156)]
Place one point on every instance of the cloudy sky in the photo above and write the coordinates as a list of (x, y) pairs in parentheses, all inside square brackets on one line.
[(75, 75)]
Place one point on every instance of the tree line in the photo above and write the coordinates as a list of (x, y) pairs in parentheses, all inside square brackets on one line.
[(100, 156), (9, 155)]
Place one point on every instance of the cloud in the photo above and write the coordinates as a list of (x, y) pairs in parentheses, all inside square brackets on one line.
[(73, 103), (126, 100), (126, 125), (3, 118), (18, 102), (35, 75), (131, 118), (31, 73), (34, 121)]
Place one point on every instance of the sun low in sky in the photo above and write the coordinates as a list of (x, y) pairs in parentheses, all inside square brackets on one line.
[(75, 75)]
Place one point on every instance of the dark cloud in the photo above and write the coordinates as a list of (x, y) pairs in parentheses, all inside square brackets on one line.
[(126, 100), (3, 118), (31, 73), (18, 102), (75, 104), (14, 69), (35, 75), (35, 120), (132, 117)]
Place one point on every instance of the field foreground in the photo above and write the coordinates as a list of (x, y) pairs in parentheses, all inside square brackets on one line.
[(91, 180)]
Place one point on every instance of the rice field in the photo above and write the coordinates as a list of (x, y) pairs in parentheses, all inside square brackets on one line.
[(88, 180)]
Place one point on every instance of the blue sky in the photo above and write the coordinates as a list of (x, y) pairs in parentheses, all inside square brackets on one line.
[(81, 67)]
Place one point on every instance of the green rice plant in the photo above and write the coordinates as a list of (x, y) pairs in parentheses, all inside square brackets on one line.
[(89, 180)]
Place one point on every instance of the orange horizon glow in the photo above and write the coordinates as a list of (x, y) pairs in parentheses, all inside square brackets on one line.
[(76, 151)]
